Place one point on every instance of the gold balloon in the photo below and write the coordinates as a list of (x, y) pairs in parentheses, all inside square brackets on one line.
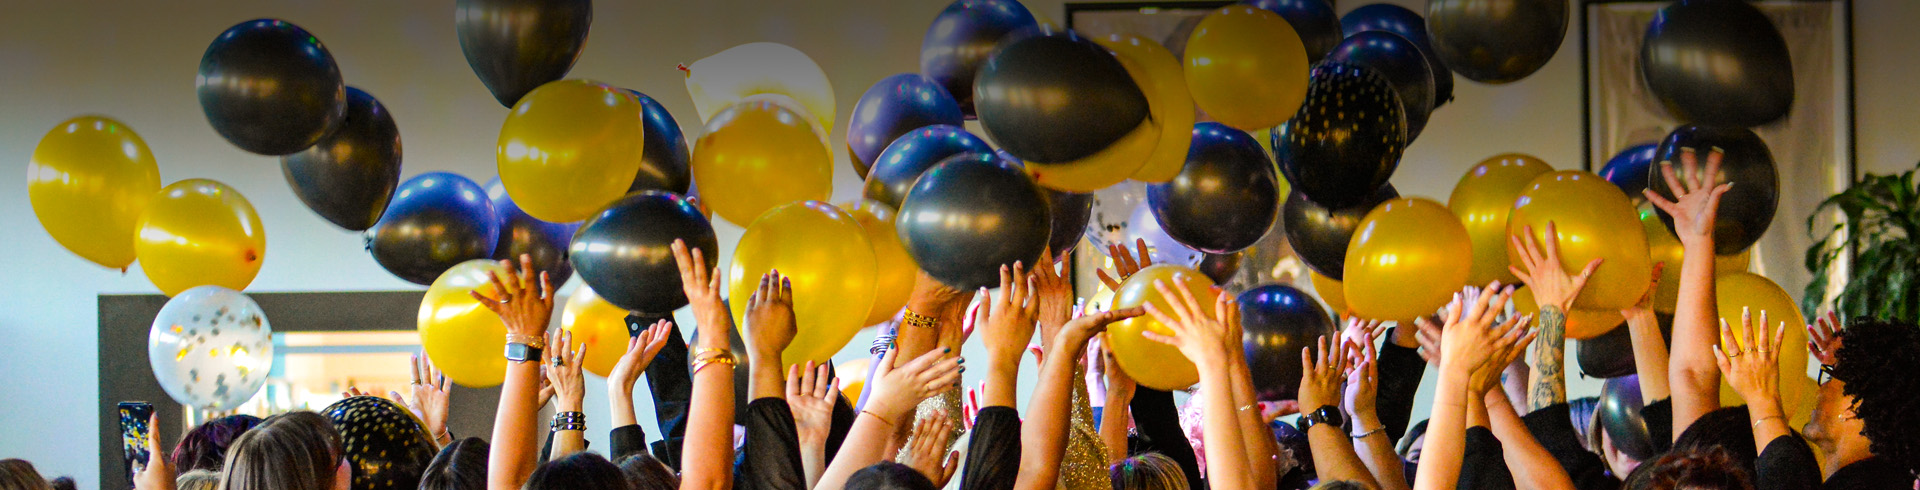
[(1169, 105), (1246, 67), (1483, 199), (1406, 260), (599, 325), (1581, 324), (1594, 220), (199, 232), (1663, 247), (728, 77), (570, 147), (89, 180), (1153, 364), (462, 337), (1330, 291), (1738, 291), (824, 252), (895, 271), (759, 154), (853, 377)]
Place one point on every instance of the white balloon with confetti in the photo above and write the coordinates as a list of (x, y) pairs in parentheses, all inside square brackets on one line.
[(211, 348)]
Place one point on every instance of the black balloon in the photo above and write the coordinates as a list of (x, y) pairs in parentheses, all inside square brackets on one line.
[(1398, 20), (385, 444), (1279, 321), (518, 45), (1314, 20), (1347, 138), (961, 39), (436, 221), (520, 234), (892, 107), (307, 99), (624, 252), (1629, 170), (971, 214), (349, 176), (1496, 41), (663, 154), (1619, 414), (1717, 63), (1055, 97), (912, 154), (1220, 267), (1746, 210), (1225, 196), (1609, 355), (1071, 211), (1402, 63), (1320, 235)]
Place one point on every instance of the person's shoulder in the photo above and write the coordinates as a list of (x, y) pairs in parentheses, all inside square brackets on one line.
[(1871, 473)]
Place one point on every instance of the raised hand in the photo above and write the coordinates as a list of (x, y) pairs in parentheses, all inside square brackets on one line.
[(926, 453), (702, 288), (770, 325), (1363, 381), (1750, 358), (525, 308), (430, 401), (1540, 269), (899, 385), (1054, 294), (1199, 336), (563, 370), (1696, 201), (1469, 340), (1009, 314), (640, 353), (1645, 305), (157, 473), (1427, 335), (1321, 371), (1124, 263), (1823, 338), (1102, 371), (811, 392)]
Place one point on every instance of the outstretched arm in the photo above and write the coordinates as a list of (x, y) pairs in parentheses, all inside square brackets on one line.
[(707, 453), (898, 386), (1473, 352), (1554, 289), (1369, 434), (1043, 436), (1203, 339), (1649, 343), (525, 307), (1693, 377)]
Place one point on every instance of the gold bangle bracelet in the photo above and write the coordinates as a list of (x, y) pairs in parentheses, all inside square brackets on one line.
[(878, 417), (911, 319)]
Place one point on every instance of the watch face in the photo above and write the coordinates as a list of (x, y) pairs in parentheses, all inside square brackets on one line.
[(1331, 416), (519, 352)]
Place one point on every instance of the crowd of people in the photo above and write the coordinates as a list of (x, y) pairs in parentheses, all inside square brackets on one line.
[(1499, 417)]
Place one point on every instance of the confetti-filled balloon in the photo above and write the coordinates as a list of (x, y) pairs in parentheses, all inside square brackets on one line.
[(385, 445), (1347, 138), (211, 348)]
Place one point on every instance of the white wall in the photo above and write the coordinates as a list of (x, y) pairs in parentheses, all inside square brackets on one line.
[(135, 61)]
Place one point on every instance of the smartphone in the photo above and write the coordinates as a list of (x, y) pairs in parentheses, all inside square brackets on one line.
[(134, 417)]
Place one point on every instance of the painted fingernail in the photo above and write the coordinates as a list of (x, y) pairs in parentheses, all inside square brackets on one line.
[(944, 350)]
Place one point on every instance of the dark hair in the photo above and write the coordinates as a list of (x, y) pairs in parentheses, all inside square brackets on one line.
[(1405, 446), (289, 451), (1876, 360), (645, 472), (63, 483), (1691, 469), (205, 447), (18, 473), (578, 470), (1585, 412), (888, 475), (1728, 429), (459, 466)]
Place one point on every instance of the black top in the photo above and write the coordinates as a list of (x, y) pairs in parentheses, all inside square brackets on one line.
[(770, 458), (1659, 417), (1399, 370), (1157, 421), (993, 452), (1483, 466), (628, 441), (1872, 473), (671, 384), (1553, 427), (1789, 464)]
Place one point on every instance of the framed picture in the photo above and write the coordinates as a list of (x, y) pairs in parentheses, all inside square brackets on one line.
[(1813, 146)]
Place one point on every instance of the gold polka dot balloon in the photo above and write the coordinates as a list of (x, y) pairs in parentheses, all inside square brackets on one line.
[(386, 446), (1346, 139)]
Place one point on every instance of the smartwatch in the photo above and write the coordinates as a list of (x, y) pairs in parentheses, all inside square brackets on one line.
[(520, 352), (1326, 414)]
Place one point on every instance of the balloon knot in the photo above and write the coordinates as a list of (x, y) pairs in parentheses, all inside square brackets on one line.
[(683, 70), (251, 256)]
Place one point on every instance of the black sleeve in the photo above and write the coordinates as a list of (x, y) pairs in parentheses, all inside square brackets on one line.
[(628, 441), (672, 387), (771, 454), (1787, 464), (993, 452), (1483, 466), (1158, 422), (546, 450), (843, 416), (1659, 417), (1400, 370), (1552, 426)]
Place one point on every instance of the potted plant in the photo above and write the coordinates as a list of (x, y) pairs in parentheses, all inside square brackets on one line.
[(1879, 233)]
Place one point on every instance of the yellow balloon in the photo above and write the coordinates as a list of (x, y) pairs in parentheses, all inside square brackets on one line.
[(1581, 324), (1169, 105), (1406, 260), (89, 180), (1483, 199), (1246, 67), (824, 252), (759, 154), (1738, 291), (1594, 220), (853, 377), (599, 325), (1105, 167), (462, 337), (729, 77), (199, 232), (894, 270), (1331, 292), (1153, 364), (1663, 247), (570, 147)]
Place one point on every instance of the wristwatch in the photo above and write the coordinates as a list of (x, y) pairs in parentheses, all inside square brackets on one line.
[(520, 352), (1327, 414)]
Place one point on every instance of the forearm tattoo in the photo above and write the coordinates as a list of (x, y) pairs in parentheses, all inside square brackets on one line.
[(1549, 351)]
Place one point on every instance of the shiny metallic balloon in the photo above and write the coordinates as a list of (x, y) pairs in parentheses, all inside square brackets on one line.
[(1746, 210), (664, 156), (1619, 413), (1717, 63), (1320, 235), (1054, 97), (270, 87), (543, 242), (349, 176), (1630, 170), (517, 45), (912, 154), (1220, 267), (1346, 140), (1314, 20), (971, 214), (1496, 41), (1408, 24), (1161, 247), (385, 445), (1402, 63), (1226, 195), (892, 107), (961, 39), (436, 221), (1071, 212), (1279, 321), (1609, 355), (624, 252)]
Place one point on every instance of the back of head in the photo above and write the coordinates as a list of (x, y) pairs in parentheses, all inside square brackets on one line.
[(197, 480), (62, 483), (205, 447), (1150, 471), (1728, 429), (1876, 360), (1410, 443), (1584, 411), (645, 472), (1691, 469), (888, 475), (459, 466), (579, 470), (18, 473), (1339, 485), (290, 451)]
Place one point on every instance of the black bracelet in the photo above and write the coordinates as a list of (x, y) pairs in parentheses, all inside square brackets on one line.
[(569, 421)]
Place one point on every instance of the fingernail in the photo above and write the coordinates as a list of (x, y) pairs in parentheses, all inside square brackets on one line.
[(963, 360), (944, 350)]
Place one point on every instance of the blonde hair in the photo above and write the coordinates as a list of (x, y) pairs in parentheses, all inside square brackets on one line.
[(1339, 485), (197, 480), (290, 451), (1150, 471)]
